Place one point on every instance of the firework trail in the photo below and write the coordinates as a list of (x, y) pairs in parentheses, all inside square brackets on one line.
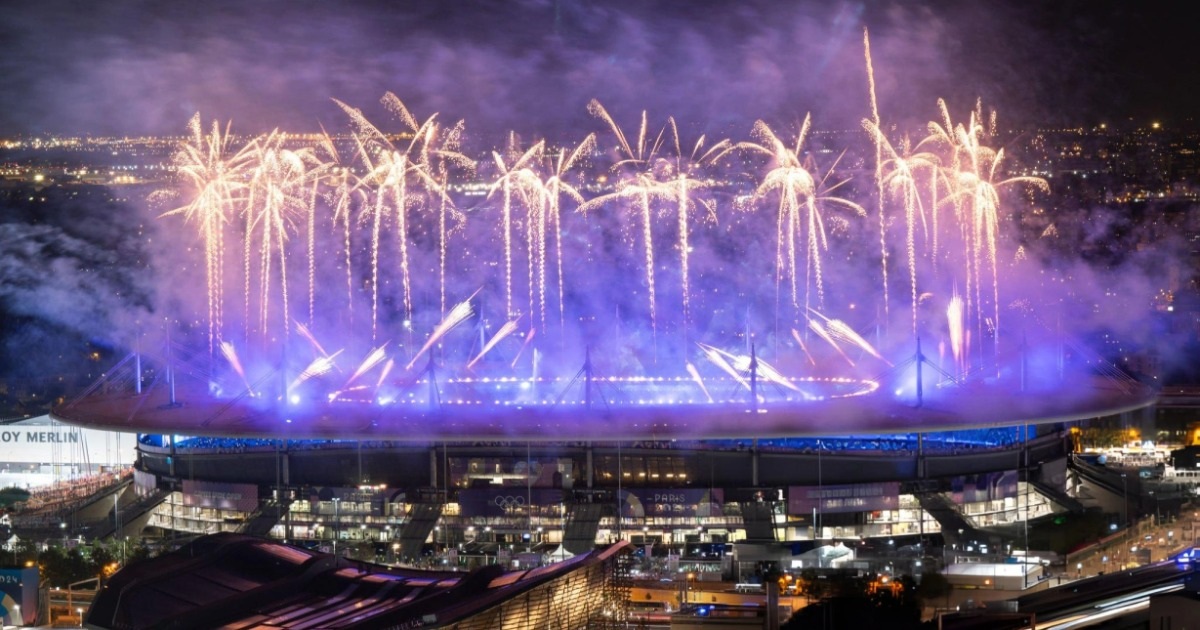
[(954, 318), (230, 353), (764, 370), (312, 340), (383, 374), (441, 149), (843, 331), (883, 251), (368, 363), (821, 332), (442, 213), (456, 316), (837, 329), (803, 346), (699, 381), (318, 367), (715, 356), (528, 340), (315, 178), (740, 364), (439, 153), (505, 330)]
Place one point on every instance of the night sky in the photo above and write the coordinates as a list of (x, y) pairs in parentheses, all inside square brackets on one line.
[(144, 66)]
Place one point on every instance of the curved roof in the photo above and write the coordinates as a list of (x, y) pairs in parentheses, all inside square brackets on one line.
[(197, 412), (239, 582)]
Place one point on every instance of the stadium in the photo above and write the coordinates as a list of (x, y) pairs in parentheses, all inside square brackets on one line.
[(442, 479), (413, 387)]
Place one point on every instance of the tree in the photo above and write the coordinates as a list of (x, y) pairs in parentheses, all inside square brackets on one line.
[(139, 553), (100, 557), (933, 586), (852, 602), (62, 567), (12, 495)]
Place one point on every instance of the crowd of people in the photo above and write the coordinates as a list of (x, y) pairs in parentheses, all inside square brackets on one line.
[(47, 502), (895, 444)]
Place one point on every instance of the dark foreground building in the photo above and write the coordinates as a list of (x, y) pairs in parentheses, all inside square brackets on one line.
[(238, 582)]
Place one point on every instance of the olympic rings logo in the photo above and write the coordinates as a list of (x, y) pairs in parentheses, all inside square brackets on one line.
[(509, 502)]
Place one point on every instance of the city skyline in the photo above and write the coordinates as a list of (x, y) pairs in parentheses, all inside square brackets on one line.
[(131, 68)]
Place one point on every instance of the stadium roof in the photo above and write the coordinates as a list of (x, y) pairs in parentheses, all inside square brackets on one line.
[(196, 412)]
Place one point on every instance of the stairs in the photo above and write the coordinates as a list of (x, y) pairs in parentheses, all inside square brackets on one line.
[(261, 521), (758, 518), (422, 518), (583, 520), (947, 514)]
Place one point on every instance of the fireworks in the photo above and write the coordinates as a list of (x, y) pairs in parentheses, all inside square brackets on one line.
[(553, 189), (639, 186), (393, 222), (516, 179), (801, 196), (214, 178)]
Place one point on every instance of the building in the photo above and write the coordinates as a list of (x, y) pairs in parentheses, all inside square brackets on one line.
[(238, 582)]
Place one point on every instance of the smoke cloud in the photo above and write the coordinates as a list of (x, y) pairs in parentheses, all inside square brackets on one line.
[(146, 67), (531, 68)]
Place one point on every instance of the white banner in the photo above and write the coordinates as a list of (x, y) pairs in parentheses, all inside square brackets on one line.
[(47, 442)]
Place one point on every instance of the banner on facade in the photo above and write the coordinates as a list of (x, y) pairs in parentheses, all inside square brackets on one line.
[(242, 497), (144, 483), (990, 486), (864, 497), (503, 500), (683, 502)]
